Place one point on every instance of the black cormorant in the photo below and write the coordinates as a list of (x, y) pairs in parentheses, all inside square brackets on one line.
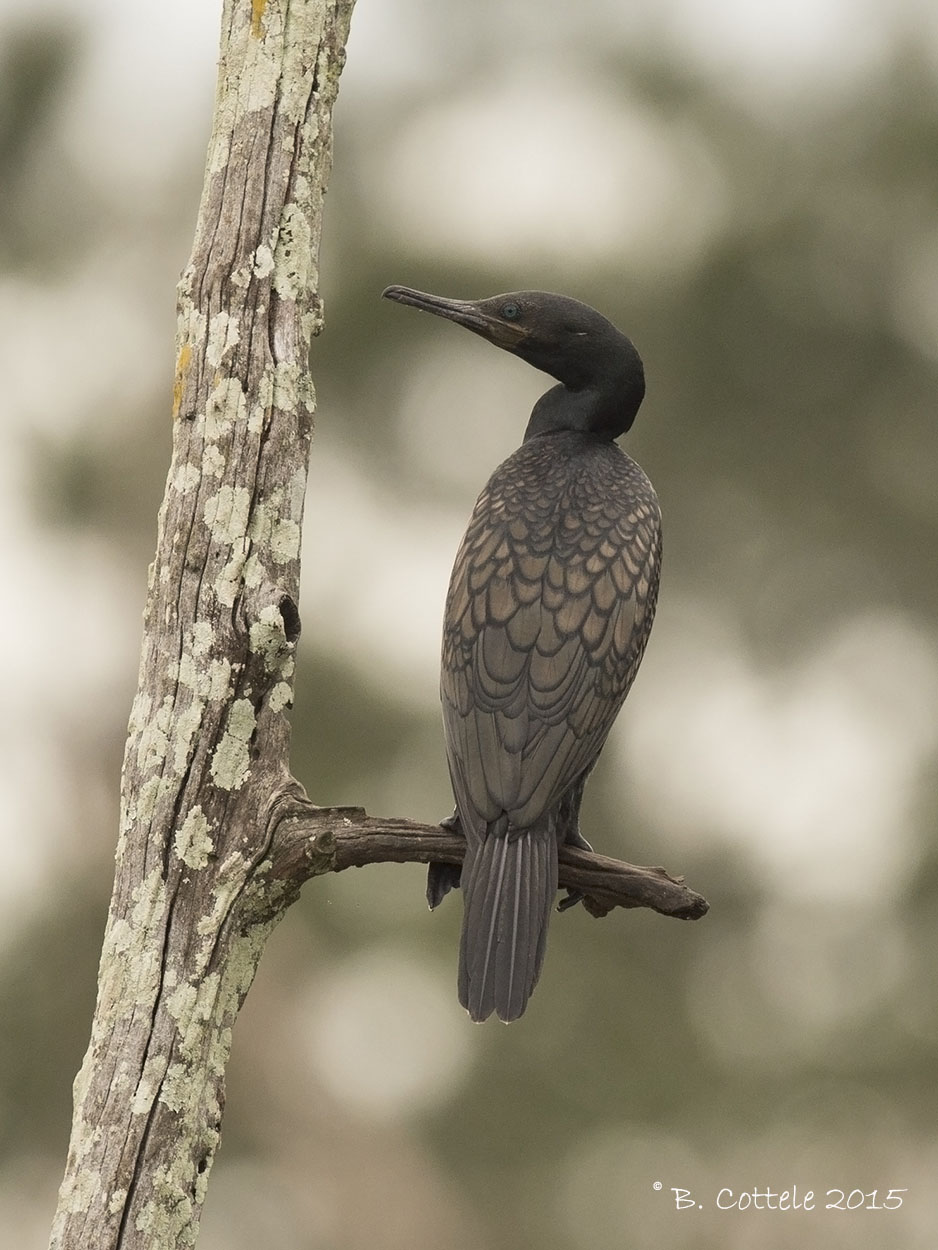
[(549, 608)]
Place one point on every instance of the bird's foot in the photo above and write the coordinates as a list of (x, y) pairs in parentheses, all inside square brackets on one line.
[(572, 897), (452, 823), (575, 838), (441, 878)]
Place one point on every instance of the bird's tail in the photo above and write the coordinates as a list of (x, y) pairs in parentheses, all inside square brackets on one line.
[(509, 880)]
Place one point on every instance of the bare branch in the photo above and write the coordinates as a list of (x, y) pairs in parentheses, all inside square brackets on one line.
[(310, 840)]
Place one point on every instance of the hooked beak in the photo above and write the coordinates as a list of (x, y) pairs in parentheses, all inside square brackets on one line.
[(473, 314)]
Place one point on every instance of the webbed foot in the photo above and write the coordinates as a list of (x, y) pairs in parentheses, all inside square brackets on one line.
[(441, 878), (574, 838)]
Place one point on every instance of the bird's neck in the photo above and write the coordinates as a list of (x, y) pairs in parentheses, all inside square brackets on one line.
[(587, 410)]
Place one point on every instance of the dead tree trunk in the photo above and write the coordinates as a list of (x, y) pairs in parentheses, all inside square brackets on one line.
[(216, 837), (206, 758)]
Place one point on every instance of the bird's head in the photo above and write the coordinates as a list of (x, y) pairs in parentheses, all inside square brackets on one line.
[(560, 336)]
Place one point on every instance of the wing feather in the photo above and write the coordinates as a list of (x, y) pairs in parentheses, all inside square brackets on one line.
[(549, 608)]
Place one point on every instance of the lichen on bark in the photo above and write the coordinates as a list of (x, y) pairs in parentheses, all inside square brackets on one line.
[(208, 739)]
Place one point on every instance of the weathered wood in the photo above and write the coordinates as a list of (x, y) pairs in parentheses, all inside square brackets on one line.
[(311, 840), (208, 743)]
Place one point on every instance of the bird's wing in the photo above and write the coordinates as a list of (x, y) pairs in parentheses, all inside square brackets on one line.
[(549, 609)]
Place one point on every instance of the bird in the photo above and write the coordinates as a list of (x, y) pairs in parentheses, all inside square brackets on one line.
[(548, 612)]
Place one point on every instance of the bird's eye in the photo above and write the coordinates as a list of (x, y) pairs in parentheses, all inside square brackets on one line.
[(511, 312)]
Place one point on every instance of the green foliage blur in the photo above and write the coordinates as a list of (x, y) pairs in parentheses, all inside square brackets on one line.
[(780, 745)]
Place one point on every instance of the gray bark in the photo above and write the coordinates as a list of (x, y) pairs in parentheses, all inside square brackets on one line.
[(216, 837), (207, 752)]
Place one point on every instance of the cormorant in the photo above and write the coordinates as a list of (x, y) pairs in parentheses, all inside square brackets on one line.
[(549, 608)]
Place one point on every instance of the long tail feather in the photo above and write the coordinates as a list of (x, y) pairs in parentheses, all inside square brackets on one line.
[(509, 881)]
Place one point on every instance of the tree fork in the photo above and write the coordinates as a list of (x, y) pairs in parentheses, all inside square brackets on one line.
[(216, 837)]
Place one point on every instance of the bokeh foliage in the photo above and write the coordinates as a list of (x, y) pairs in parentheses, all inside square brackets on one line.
[(790, 426)]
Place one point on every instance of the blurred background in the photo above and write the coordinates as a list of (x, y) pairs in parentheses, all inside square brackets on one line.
[(750, 190)]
